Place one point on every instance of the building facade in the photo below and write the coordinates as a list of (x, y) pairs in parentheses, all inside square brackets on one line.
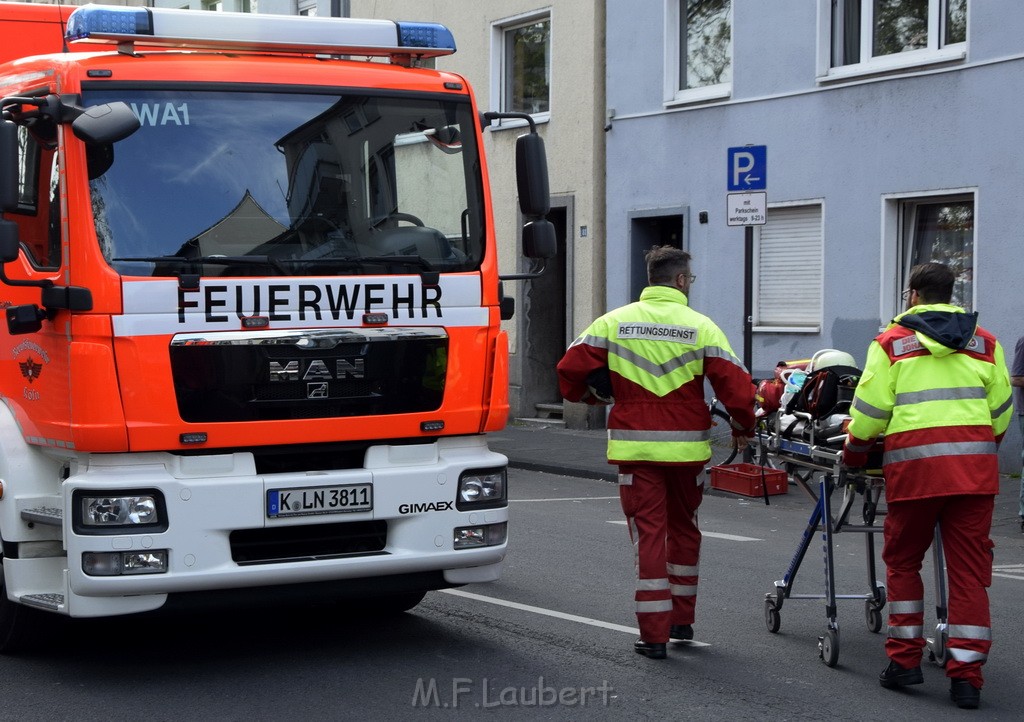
[(883, 135)]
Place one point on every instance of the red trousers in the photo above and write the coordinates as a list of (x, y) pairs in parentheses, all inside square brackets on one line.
[(660, 503), (964, 522)]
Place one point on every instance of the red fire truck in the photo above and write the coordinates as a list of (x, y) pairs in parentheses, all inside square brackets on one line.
[(253, 310)]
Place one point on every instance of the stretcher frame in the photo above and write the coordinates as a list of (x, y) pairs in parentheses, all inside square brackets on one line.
[(803, 460)]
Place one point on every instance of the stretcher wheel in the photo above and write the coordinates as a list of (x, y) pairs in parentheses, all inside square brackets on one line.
[(828, 647), (873, 616), (772, 617), (937, 647)]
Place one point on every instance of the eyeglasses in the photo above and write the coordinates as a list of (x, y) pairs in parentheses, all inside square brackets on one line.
[(906, 294), (689, 277)]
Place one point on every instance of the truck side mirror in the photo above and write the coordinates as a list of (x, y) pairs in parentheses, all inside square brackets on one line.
[(539, 239), (9, 244), (105, 123), (532, 175), (8, 166)]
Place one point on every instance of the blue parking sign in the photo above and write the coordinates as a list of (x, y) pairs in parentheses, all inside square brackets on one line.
[(748, 168)]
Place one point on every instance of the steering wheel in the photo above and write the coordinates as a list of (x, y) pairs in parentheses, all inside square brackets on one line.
[(399, 216)]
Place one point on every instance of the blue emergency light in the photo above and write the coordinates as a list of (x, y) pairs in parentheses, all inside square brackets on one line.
[(168, 27)]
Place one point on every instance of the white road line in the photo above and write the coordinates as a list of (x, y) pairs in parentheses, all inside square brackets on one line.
[(556, 615), (568, 498), (1000, 570), (712, 534)]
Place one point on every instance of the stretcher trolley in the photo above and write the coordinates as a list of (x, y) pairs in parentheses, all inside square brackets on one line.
[(815, 453)]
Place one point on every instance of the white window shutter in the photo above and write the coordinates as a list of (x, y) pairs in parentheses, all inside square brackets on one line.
[(788, 271)]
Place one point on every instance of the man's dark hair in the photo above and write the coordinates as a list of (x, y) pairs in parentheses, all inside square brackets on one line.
[(933, 282), (664, 263)]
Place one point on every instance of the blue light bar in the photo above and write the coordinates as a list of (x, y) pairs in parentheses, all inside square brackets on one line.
[(425, 35), (168, 27)]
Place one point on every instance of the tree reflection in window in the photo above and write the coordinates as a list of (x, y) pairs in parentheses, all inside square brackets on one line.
[(706, 33), (527, 66), (944, 232)]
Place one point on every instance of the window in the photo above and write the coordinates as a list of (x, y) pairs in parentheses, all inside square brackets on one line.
[(699, 52), (307, 8), (789, 269), (38, 212), (521, 65), (940, 230), (878, 35)]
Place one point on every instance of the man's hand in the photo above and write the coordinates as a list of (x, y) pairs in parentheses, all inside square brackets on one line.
[(742, 442), (853, 458)]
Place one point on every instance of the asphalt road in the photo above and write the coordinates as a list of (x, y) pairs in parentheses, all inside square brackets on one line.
[(551, 640)]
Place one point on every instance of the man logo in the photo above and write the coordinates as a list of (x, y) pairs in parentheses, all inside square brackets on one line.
[(317, 370), (316, 391)]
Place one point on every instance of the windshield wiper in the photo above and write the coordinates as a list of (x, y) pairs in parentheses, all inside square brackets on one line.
[(270, 261), (427, 272)]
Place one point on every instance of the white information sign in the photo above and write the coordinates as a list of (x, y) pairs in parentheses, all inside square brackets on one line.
[(747, 209)]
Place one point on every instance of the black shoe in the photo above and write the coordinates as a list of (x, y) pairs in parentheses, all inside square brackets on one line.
[(895, 676), (680, 631), (964, 694), (652, 651)]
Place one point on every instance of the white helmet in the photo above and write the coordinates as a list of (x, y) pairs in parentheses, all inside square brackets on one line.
[(830, 357)]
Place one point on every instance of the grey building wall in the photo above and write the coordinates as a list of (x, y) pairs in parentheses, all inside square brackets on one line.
[(850, 144)]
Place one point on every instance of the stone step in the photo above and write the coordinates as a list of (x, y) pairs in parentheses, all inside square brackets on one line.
[(545, 411), (525, 421)]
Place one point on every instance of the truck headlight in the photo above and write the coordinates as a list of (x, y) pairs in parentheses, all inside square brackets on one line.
[(119, 511), (481, 489)]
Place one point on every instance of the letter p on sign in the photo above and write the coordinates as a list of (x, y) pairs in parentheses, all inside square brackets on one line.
[(748, 168)]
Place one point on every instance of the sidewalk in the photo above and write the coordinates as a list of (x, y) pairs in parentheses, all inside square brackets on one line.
[(571, 452)]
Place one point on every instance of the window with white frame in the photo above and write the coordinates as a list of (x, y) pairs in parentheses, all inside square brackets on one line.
[(788, 263), (307, 8), (877, 35), (521, 64), (698, 57), (942, 230)]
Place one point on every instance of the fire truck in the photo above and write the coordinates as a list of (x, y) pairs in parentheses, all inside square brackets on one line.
[(249, 272)]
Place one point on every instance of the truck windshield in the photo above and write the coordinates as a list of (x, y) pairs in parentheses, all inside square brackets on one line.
[(237, 183)]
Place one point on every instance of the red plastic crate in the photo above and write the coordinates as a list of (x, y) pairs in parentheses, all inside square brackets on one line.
[(745, 479)]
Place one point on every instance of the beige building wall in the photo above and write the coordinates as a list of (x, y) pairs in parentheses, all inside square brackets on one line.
[(574, 138)]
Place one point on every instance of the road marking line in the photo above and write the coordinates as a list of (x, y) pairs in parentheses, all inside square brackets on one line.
[(712, 534), (556, 615), (999, 570), (568, 498)]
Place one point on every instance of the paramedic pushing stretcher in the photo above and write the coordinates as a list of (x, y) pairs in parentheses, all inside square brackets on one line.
[(651, 358), (935, 383)]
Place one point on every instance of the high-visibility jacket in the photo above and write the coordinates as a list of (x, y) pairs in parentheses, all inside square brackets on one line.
[(657, 352), (936, 384)]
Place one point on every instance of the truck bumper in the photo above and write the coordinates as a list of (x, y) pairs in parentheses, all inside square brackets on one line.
[(219, 534)]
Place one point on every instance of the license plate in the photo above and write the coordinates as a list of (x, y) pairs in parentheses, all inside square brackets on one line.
[(319, 500)]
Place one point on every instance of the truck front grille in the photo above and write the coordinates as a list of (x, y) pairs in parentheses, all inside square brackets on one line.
[(308, 374), (308, 543)]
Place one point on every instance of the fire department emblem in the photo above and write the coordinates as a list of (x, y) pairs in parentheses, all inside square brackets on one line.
[(30, 369)]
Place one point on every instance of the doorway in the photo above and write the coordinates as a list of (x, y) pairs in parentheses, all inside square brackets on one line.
[(646, 229), (546, 310)]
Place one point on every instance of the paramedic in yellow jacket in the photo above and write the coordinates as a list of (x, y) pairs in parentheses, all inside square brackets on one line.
[(651, 357), (936, 385)]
